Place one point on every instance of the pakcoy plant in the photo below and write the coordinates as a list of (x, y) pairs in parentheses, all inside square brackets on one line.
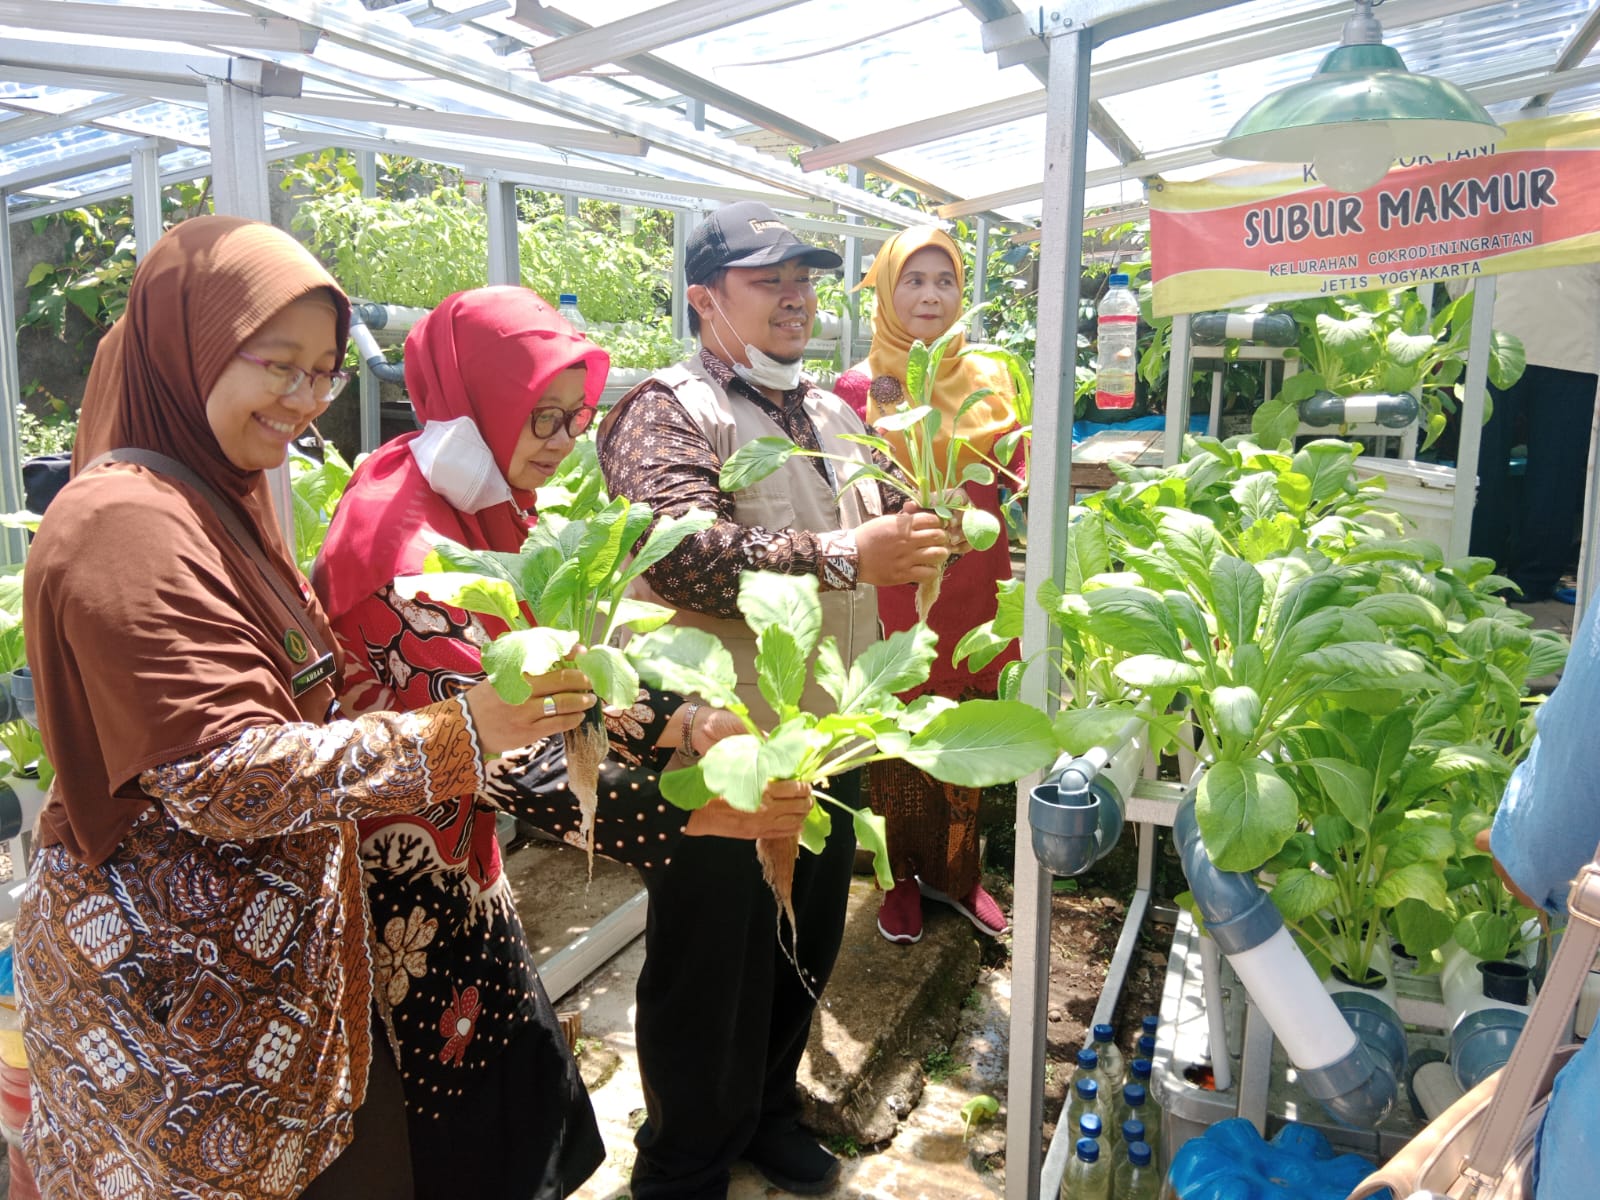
[(975, 743), (931, 479), (317, 488), (563, 599), (1383, 342), (20, 745)]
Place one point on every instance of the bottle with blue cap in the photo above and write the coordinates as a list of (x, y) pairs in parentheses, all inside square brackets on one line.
[(1086, 1098), (568, 308), (1137, 1177), (1117, 348), (1111, 1064), (1134, 1105), (1090, 1126), (1131, 1130), (1139, 1072), (1147, 1046), (1088, 1175), (1088, 1068)]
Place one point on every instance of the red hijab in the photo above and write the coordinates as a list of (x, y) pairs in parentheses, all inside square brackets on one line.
[(488, 354)]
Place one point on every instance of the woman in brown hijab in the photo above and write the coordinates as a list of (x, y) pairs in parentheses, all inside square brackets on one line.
[(192, 949)]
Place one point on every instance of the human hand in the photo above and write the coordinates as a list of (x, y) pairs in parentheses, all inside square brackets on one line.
[(910, 546), (558, 703), (957, 499), (783, 810), (1481, 841)]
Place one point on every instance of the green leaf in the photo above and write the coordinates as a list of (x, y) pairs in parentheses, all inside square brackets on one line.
[(1300, 894), (686, 788), (1485, 935), (1407, 348), (732, 771), (1257, 497), (601, 543), (814, 832), (1087, 551), (1275, 422), (668, 534), (1329, 465), (980, 527), (917, 371), (1420, 927), (1151, 671), (1192, 542), (1009, 602), (899, 422), (1357, 666), (690, 661), (872, 832), (1547, 654), (896, 664), (1419, 881), (1419, 841), (780, 668), (1237, 590), (1238, 715), (557, 604), (981, 743), (1270, 538), (1507, 360), (638, 615), (1246, 813), (1348, 785), (790, 602), (1399, 610), (511, 657), (977, 473), (786, 749), (475, 593), (754, 461), (611, 676), (922, 710), (1079, 730), (829, 671), (981, 646), (1134, 621)]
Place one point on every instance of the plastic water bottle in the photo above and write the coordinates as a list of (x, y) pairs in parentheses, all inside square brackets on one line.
[(1147, 1046), (1131, 1130), (568, 308), (1111, 1064), (1137, 1177), (1118, 346), (1088, 1175), (1086, 1098), (1148, 1024), (1135, 1106), (1267, 329), (1088, 1068), (1089, 1126), (1139, 1072), (1393, 410)]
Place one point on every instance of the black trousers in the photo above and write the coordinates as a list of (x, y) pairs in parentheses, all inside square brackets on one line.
[(1532, 542), (376, 1165), (722, 1015)]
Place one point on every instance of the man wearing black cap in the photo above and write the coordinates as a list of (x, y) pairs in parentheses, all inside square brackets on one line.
[(724, 1006)]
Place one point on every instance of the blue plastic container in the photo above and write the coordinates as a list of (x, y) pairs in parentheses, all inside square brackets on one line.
[(1231, 1162)]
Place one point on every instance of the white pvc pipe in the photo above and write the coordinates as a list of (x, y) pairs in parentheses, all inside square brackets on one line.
[(1216, 1022), (1291, 997)]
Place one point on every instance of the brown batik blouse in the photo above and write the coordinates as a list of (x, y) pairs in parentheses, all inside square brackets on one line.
[(655, 453), (200, 1020)]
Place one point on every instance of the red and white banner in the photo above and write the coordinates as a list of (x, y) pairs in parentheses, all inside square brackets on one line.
[(1531, 200)]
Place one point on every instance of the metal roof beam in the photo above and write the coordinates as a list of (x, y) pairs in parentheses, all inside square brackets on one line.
[(472, 124), (543, 19), (1119, 76), (1577, 49), (39, 124), (75, 164), (196, 27), (659, 26), (418, 53), (118, 63)]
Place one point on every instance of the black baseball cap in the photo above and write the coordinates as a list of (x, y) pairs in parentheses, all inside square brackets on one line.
[(747, 234)]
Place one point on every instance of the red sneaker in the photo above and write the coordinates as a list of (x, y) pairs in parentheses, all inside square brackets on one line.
[(976, 906), (900, 915)]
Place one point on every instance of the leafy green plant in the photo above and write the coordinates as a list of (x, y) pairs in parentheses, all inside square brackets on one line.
[(1383, 342), (316, 488), (577, 490), (53, 433), (21, 748), (976, 743), (930, 478), (562, 598), (976, 1111)]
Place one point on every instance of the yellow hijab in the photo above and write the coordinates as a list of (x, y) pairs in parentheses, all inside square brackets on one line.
[(957, 378)]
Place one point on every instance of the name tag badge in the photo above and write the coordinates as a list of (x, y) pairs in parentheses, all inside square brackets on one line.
[(303, 681)]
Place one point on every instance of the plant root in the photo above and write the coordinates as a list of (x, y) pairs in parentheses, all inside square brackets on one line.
[(777, 856), (587, 747), (928, 595)]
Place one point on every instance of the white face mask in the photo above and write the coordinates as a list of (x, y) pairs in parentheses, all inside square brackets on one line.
[(764, 371), (458, 464)]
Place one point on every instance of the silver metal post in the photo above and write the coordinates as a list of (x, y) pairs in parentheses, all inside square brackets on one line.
[(13, 543), (980, 278), (682, 218), (1179, 368), (1474, 387), (505, 265), (239, 188), (371, 431), (1060, 268), (1589, 547), (146, 181), (848, 354), (569, 204)]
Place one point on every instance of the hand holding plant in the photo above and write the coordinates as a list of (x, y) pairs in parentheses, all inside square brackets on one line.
[(973, 744), (572, 576)]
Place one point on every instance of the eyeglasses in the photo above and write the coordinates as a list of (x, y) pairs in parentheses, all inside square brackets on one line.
[(284, 379), (545, 421)]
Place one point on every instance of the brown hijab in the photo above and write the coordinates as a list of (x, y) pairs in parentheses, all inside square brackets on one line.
[(152, 636)]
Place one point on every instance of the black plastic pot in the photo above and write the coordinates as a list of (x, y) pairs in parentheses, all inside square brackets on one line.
[(20, 695), (1505, 981)]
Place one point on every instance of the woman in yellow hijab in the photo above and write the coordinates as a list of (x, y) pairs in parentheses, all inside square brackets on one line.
[(933, 827)]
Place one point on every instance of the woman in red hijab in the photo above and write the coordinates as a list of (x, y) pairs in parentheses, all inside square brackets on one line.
[(503, 386), (191, 951)]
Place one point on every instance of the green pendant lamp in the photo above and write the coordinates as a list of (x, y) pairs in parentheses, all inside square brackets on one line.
[(1359, 112)]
